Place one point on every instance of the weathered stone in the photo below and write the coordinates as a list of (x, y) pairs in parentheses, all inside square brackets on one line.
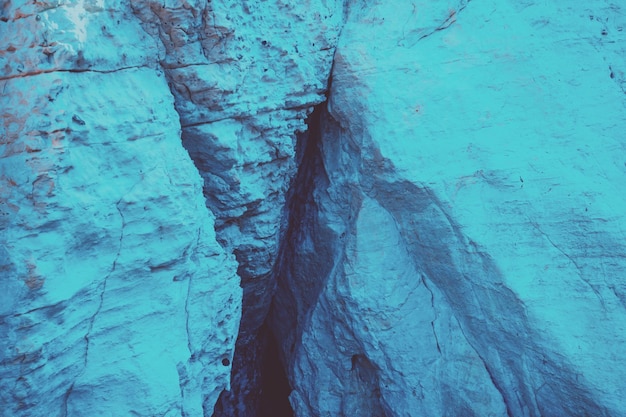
[(446, 233), (115, 297), (458, 250)]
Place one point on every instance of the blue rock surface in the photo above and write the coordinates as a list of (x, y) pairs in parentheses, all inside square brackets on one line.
[(464, 230), (444, 235)]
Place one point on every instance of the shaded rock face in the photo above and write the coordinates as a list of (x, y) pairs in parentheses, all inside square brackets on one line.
[(455, 243), (244, 76), (443, 236), (98, 95)]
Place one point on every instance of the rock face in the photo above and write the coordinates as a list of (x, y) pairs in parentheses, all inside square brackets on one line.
[(123, 83), (244, 76), (456, 240), (115, 296), (444, 236)]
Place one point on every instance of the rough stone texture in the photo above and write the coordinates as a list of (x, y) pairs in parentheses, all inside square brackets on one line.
[(244, 76), (115, 296), (453, 241), (456, 241)]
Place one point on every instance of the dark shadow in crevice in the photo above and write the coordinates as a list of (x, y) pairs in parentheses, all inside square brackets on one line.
[(267, 392), (299, 274), (259, 383), (300, 216), (275, 388)]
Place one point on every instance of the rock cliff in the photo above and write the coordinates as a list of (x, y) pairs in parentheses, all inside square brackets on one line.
[(456, 244), (442, 236), (116, 298)]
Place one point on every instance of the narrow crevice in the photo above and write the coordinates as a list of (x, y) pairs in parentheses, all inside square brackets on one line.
[(445, 24), (432, 304), (104, 283), (187, 297), (452, 16), (34, 73), (228, 182), (275, 388), (236, 115), (260, 361), (259, 375), (66, 398), (299, 274), (242, 400)]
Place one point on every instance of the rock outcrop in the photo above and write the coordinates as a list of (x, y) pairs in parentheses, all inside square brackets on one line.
[(443, 236), (456, 240), (115, 296), (245, 76), (235, 82)]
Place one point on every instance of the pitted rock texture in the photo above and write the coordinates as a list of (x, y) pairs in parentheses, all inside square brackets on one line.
[(115, 296), (456, 241), (244, 76), (446, 235)]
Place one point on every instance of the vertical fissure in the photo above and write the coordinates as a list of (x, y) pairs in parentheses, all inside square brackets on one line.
[(289, 304), (275, 387), (260, 385)]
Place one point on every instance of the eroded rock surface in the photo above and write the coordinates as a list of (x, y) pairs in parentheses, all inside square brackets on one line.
[(244, 76), (115, 296), (456, 239), (447, 232)]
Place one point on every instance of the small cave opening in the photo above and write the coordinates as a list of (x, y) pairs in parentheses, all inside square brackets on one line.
[(275, 388), (259, 383)]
